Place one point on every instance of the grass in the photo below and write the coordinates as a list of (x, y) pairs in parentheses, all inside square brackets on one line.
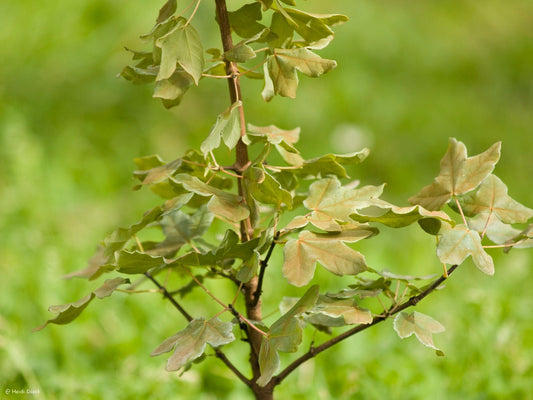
[(410, 75)]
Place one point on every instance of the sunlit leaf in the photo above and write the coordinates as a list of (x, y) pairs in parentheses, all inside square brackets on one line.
[(284, 335), (189, 344), (456, 244), (492, 197), (182, 45), (302, 254), (459, 174), (70, 311), (330, 202), (419, 324)]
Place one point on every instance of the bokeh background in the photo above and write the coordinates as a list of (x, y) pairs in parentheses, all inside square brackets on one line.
[(410, 75)]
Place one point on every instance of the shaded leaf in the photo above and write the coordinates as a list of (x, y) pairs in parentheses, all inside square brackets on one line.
[(458, 174), (456, 244), (265, 189), (419, 324), (70, 311), (331, 164), (227, 127), (244, 20), (240, 53), (282, 66), (181, 45), (399, 217), (167, 10), (173, 88), (302, 254), (181, 228), (222, 203), (189, 344), (284, 335)]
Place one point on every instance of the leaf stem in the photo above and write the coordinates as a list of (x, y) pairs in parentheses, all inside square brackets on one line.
[(460, 210), (313, 351), (193, 13)]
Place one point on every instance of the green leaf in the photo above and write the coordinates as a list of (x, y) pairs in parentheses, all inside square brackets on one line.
[(459, 174), (139, 76), (492, 198), (189, 344), (228, 250), (419, 324), (302, 254), (70, 311), (136, 262), (282, 32), (284, 335), (227, 127), (314, 27), (181, 45), (244, 20), (282, 66), (240, 53), (173, 88), (331, 164), (265, 189), (456, 244), (224, 204), (399, 217), (167, 10), (181, 228)]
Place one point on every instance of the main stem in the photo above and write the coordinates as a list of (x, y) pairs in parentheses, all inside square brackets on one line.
[(253, 306)]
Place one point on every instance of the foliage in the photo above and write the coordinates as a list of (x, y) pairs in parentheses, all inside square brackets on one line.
[(282, 199)]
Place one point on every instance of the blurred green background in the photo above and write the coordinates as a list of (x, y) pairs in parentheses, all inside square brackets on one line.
[(410, 75)]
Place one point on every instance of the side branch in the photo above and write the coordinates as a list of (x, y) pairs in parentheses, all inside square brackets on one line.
[(167, 294), (264, 264), (313, 351)]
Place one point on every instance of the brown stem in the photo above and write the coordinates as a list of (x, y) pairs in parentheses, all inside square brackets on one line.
[(313, 351), (253, 307)]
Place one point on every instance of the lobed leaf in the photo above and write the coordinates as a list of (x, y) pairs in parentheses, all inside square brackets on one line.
[(227, 127), (302, 254), (421, 325), (282, 66), (189, 344), (456, 244), (70, 311), (181, 45), (492, 198), (458, 175)]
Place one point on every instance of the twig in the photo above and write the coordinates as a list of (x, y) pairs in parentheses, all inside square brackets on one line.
[(264, 264), (313, 351), (169, 297)]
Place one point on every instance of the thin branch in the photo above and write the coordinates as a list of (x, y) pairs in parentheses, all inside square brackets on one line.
[(232, 367), (264, 264), (169, 297), (313, 351)]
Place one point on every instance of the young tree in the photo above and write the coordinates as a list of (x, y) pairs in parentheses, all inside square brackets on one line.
[(270, 199)]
